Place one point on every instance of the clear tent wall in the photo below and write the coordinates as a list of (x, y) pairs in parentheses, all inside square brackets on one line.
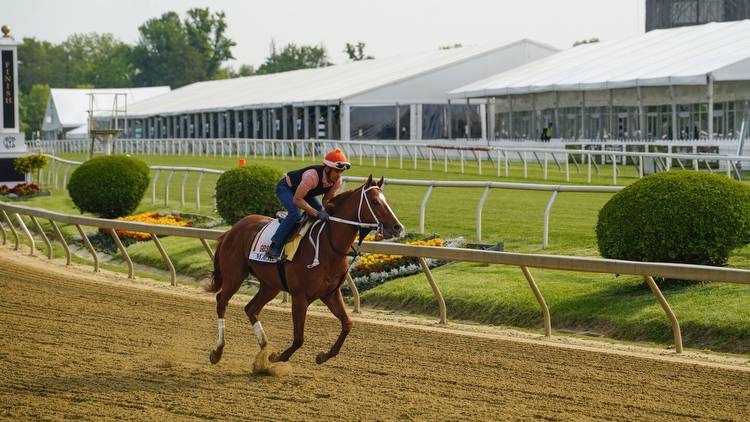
[(646, 113)]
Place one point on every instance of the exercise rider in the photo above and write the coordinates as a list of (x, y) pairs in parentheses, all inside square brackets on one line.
[(298, 190)]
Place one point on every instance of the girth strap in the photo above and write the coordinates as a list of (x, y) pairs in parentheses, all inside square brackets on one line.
[(282, 274)]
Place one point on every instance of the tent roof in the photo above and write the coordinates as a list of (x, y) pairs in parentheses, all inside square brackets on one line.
[(679, 56), (72, 104), (318, 86)]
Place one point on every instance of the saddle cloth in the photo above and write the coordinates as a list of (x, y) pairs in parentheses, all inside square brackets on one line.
[(262, 242)]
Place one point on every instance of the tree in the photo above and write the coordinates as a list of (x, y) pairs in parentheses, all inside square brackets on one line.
[(176, 53), (229, 72), (294, 57), (356, 52), (34, 109), (97, 59), (205, 32), (40, 62), (584, 41)]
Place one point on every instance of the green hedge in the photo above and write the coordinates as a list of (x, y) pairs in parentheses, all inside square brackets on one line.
[(247, 190), (677, 216), (110, 186)]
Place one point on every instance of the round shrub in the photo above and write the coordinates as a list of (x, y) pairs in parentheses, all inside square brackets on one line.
[(109, 186), (677, 216), (247, 190)]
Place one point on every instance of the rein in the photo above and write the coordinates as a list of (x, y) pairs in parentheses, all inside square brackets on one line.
[(364, 228)]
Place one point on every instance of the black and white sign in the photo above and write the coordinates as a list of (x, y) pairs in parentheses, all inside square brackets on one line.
[(9, 89), (12, 142)]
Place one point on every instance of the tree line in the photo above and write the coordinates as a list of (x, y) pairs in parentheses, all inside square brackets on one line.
[(171, 50)]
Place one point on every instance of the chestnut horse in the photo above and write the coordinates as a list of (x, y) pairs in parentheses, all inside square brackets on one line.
[(350, 211)]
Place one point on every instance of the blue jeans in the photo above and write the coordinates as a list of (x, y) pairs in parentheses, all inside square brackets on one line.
[(286, 196)]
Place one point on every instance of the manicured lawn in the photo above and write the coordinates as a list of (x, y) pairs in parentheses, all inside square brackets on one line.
[(715, 316)]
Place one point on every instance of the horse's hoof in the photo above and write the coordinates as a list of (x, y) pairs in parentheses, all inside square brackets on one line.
[(321, 358), (273, 357), (215, 356)]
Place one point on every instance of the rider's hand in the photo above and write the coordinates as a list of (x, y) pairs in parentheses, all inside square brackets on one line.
[(323, 215)]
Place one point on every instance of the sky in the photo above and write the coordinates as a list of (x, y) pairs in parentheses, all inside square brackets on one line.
[(387, 27)]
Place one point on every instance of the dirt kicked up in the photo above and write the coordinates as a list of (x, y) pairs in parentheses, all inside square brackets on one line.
[(90, 347)]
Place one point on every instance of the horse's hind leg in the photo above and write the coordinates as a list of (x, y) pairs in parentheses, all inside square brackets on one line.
[(228, 289), (265, 294), (335, 302), (299, 314)]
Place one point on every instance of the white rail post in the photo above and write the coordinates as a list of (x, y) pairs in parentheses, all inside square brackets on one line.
[(182, 189), (387, 156), (498, 162), (153, 187), (435, 290), (546, 160), (372, 150), (360, 154), (401, 156), (445, 160), (614, 169), (507, 163), (416, 153), (479, 162), (640, 166), (198, 191), (540, 300), (461, 154), (480, 206), (166, 188), (545, 236), (668, 310), (525, 166), (588, 163), (423, 207)]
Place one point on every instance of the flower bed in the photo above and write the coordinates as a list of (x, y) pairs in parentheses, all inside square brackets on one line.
[(373, 270), (19, 190), (151, 218)]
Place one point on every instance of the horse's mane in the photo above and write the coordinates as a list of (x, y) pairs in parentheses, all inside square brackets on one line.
[(344, 196)]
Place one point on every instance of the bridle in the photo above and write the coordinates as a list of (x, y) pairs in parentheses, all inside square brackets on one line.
[(363, 227)]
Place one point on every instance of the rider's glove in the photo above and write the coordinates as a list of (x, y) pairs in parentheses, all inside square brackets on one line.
[(323, 215)]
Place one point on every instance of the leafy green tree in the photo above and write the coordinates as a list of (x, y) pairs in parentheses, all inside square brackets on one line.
[(40, 62), (228, 72), (293, 57), (99, 60), (33, 110), (176, 53), (356, 52), (205, 33)]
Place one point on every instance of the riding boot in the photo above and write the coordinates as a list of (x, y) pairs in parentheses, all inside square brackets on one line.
[(274, 251)]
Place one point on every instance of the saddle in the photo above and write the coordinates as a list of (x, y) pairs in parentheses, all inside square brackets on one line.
[(262, 240)]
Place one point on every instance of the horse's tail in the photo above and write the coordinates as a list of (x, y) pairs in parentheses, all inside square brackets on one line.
[(214, 284)]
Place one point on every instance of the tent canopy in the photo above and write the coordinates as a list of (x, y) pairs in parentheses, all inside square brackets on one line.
[(318, 86), (72, 105), (680, 56)]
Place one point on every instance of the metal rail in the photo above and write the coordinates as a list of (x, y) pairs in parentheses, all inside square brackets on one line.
[(555, 262)]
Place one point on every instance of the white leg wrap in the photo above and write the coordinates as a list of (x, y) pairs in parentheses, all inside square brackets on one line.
[(220, 335), (259, 333)]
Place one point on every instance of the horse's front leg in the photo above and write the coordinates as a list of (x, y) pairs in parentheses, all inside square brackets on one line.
[(299, 313), (335, 302)]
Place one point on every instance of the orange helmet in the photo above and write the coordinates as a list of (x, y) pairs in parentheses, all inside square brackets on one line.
[(337, 160)]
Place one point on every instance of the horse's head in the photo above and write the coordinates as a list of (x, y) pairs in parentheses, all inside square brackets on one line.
[(375, 209)]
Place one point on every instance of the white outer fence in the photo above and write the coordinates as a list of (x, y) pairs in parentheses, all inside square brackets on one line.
[(525, 261), (430, 184), (499, 154)]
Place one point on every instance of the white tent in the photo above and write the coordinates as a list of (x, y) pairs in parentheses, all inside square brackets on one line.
[(350, 82), (680, 56), (68, 108)]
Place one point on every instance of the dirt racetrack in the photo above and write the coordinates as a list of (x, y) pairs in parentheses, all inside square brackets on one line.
[(79, 346)]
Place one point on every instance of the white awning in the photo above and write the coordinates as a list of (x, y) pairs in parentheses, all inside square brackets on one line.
[(679, 56), (322, 86)]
